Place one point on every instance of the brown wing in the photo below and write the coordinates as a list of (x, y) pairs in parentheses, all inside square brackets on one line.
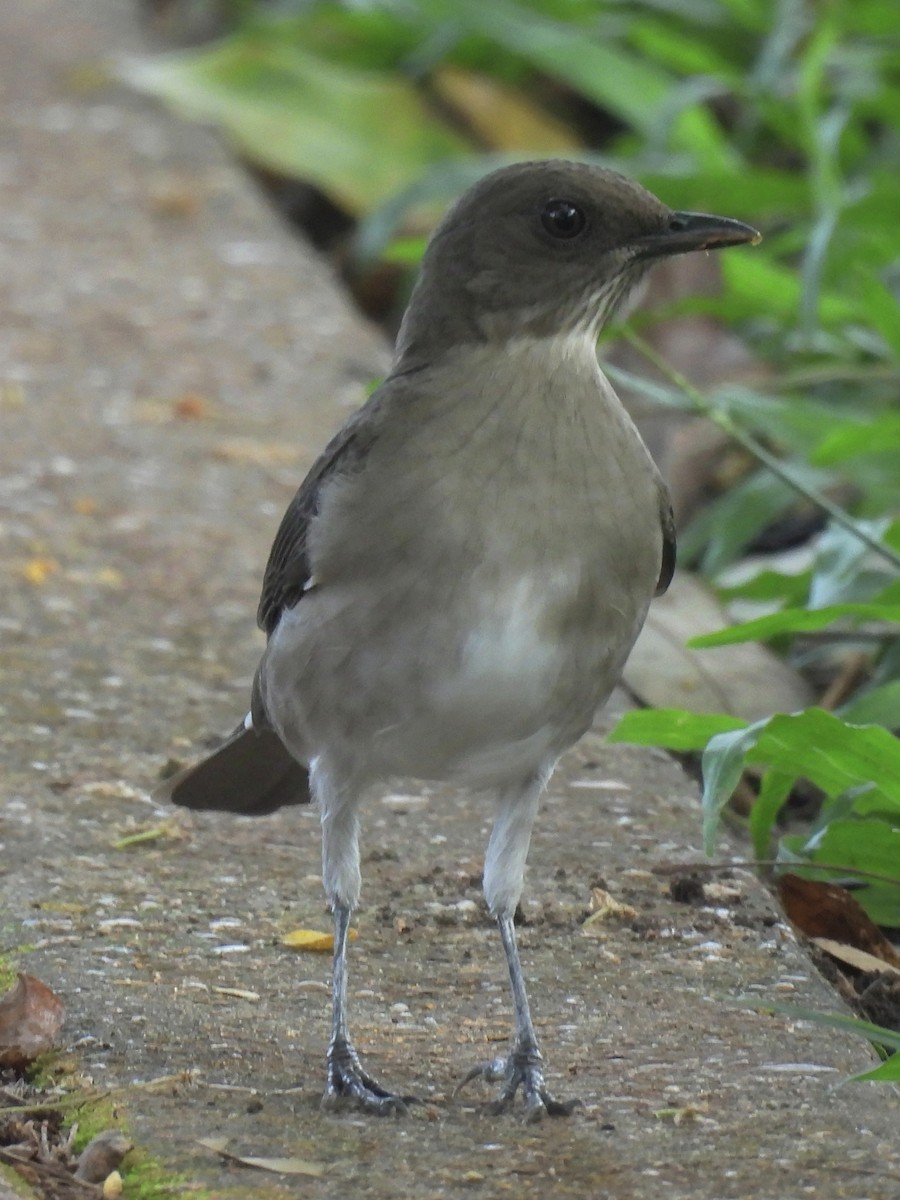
[(288, 570), (667, 565)]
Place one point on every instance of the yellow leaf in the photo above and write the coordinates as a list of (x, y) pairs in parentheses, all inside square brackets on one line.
[(312, 939), (38, 570), (501, 115)]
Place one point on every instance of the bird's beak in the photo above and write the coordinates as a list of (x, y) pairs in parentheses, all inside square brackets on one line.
[(695, 231)]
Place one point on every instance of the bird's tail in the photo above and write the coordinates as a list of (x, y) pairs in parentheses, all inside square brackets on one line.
[(251, 773)]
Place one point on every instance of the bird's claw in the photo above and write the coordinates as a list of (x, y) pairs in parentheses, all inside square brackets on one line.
[(522, 1069), (348, 1085)]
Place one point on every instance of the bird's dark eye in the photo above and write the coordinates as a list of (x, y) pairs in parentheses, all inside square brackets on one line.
[(563, 219)]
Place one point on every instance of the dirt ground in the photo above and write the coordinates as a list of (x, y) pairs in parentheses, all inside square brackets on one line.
[(170, 360)]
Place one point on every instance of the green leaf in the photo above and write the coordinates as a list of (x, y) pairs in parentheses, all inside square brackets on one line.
[(842, 568), (305, 116), (722, 765), (813, 745), (750, 276), (835, 756), (886, 1072), (673, 728), (727, 525), (771, 585), (849, 441), (621, 82), (794, 620), (876, 706), (867, 1029), (773, 793), (866, 844)]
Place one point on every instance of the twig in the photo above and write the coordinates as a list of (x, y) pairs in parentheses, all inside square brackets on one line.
[(845, 682)]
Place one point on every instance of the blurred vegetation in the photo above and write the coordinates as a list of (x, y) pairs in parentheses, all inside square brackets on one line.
[(785, 113)]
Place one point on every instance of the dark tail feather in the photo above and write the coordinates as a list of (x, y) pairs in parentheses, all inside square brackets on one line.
[(251, 773)]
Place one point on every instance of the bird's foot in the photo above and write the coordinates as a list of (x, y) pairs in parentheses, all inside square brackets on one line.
[(348, 1085), (521, 1069)]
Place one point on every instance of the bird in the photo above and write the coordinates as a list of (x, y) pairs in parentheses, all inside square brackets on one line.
[(454, 589)]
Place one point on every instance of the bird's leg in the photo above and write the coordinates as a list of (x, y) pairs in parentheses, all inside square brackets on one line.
[(347, 1082), (504, 870)]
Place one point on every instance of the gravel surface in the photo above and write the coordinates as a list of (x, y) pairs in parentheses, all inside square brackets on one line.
[(170, 360)]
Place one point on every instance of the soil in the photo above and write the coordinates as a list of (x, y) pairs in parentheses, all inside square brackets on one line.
[(171, 361)]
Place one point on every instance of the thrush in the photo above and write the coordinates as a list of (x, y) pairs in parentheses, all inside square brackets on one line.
[(454, 588)]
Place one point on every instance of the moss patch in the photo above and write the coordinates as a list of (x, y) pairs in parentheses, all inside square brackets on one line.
[(144, 1176)]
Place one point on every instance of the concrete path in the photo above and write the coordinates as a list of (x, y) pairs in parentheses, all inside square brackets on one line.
[(171, 359)]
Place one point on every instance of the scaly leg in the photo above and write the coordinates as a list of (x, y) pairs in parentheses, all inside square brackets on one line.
[(504, 871), (347, 1082)]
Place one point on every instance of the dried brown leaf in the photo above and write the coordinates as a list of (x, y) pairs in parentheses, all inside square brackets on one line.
[(30, 1018), (824, 910), (850, 956), (280, 1166)]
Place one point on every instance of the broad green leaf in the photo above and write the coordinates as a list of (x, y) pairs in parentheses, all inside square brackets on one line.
[(875, 706), (848, 441), (623, 83), (795, 620), (813, 745), (724, 528), (773, 793), (753, 276), (680, 49), (768, 585), (673, 728), (722, 765), (820, 747), (772, 193), (305, 116), (843, 569), (864, 844)]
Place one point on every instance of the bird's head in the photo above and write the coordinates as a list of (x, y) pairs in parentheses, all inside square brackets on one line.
[(548, 248)]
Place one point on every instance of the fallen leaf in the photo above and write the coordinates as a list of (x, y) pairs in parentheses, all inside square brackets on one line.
[(112, 790), (156, 833), (312, 939), (501, 115), (280, 1166), (238, 993), (38, 570), (192, 406), (604, 906), (30, 1018), (860, 960), (824, 910)]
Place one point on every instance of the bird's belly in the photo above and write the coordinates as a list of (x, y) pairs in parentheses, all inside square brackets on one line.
[(540, 655), (486, 689)]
